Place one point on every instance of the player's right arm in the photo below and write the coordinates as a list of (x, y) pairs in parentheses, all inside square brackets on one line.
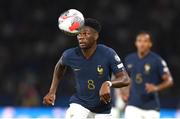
[(57, 76), (166, 77)]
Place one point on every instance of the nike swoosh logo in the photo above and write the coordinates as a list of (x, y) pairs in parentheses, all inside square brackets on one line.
[(77, 69)]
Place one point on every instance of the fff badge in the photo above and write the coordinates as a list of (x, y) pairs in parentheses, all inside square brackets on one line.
[(100, 70), (147, 68)]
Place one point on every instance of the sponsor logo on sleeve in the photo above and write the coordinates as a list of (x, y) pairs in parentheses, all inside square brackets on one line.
[(120, 65), (116, 57), (164, 63)]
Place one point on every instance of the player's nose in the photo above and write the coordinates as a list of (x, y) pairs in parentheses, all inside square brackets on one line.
[(80, 38)]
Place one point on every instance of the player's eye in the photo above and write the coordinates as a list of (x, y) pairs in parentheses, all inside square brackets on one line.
[(84, 34), (87, 33)]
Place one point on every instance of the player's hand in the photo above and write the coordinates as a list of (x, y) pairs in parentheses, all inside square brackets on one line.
[(49, 99), (151, 88), (104, 93)]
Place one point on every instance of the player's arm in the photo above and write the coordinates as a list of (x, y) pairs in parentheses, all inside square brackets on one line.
[(124, 92), (121, 80), (57, 76), (121, 77), (167, 80), (166, 83)]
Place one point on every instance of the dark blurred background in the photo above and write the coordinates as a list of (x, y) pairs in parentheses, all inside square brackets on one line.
[(31, 43)]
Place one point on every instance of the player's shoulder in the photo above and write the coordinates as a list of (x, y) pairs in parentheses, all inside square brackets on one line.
[(105, 49), (70, 51), (158, 59), (155, 56)]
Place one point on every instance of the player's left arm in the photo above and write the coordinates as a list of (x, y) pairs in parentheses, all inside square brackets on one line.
[(167, 80), (117, 67), (121, 77), (121, 80)]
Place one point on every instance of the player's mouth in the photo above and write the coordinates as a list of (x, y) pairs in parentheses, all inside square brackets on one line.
[(82, 44)]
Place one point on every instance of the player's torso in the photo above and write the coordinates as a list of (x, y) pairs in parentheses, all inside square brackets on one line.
[(143, 71), (89, 73)]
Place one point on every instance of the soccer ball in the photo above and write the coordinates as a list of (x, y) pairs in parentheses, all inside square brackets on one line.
[(71, 21)]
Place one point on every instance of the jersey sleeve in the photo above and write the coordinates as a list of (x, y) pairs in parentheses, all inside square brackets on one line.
[(116, 64), (162, 66), (126, 62), (64, 59)]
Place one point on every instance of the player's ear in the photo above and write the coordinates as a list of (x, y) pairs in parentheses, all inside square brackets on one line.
[(96, 36), (151, 44)]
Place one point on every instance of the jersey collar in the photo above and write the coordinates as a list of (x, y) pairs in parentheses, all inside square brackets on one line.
[(81, 54)]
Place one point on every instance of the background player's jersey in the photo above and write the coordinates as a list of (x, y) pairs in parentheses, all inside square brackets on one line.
[(90, 74), (146, 70)]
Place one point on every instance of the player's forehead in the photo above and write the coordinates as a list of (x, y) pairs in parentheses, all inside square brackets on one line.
[(143, 37), (87, 29)]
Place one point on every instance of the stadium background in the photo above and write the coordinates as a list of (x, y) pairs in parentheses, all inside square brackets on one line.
[(31, 44)]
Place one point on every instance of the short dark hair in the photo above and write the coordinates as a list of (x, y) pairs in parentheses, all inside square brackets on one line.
[(145, 33), (93, 23)]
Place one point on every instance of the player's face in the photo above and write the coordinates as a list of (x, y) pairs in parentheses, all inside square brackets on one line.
[(143, 43), (87, 37)]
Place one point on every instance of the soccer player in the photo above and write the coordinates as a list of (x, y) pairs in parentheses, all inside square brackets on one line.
[(92, 65), (149, 75)]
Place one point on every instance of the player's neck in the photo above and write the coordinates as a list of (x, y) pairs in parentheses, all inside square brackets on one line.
[(143, 54), (89, 52)]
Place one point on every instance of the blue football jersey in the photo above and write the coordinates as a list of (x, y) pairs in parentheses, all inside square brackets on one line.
[(90, 74), (146, 70)]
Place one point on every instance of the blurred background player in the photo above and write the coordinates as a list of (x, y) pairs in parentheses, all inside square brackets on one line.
[(149, 74), (92, 65)]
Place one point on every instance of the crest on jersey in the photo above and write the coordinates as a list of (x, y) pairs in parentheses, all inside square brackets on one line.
[(147, 68), (100, 70)]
